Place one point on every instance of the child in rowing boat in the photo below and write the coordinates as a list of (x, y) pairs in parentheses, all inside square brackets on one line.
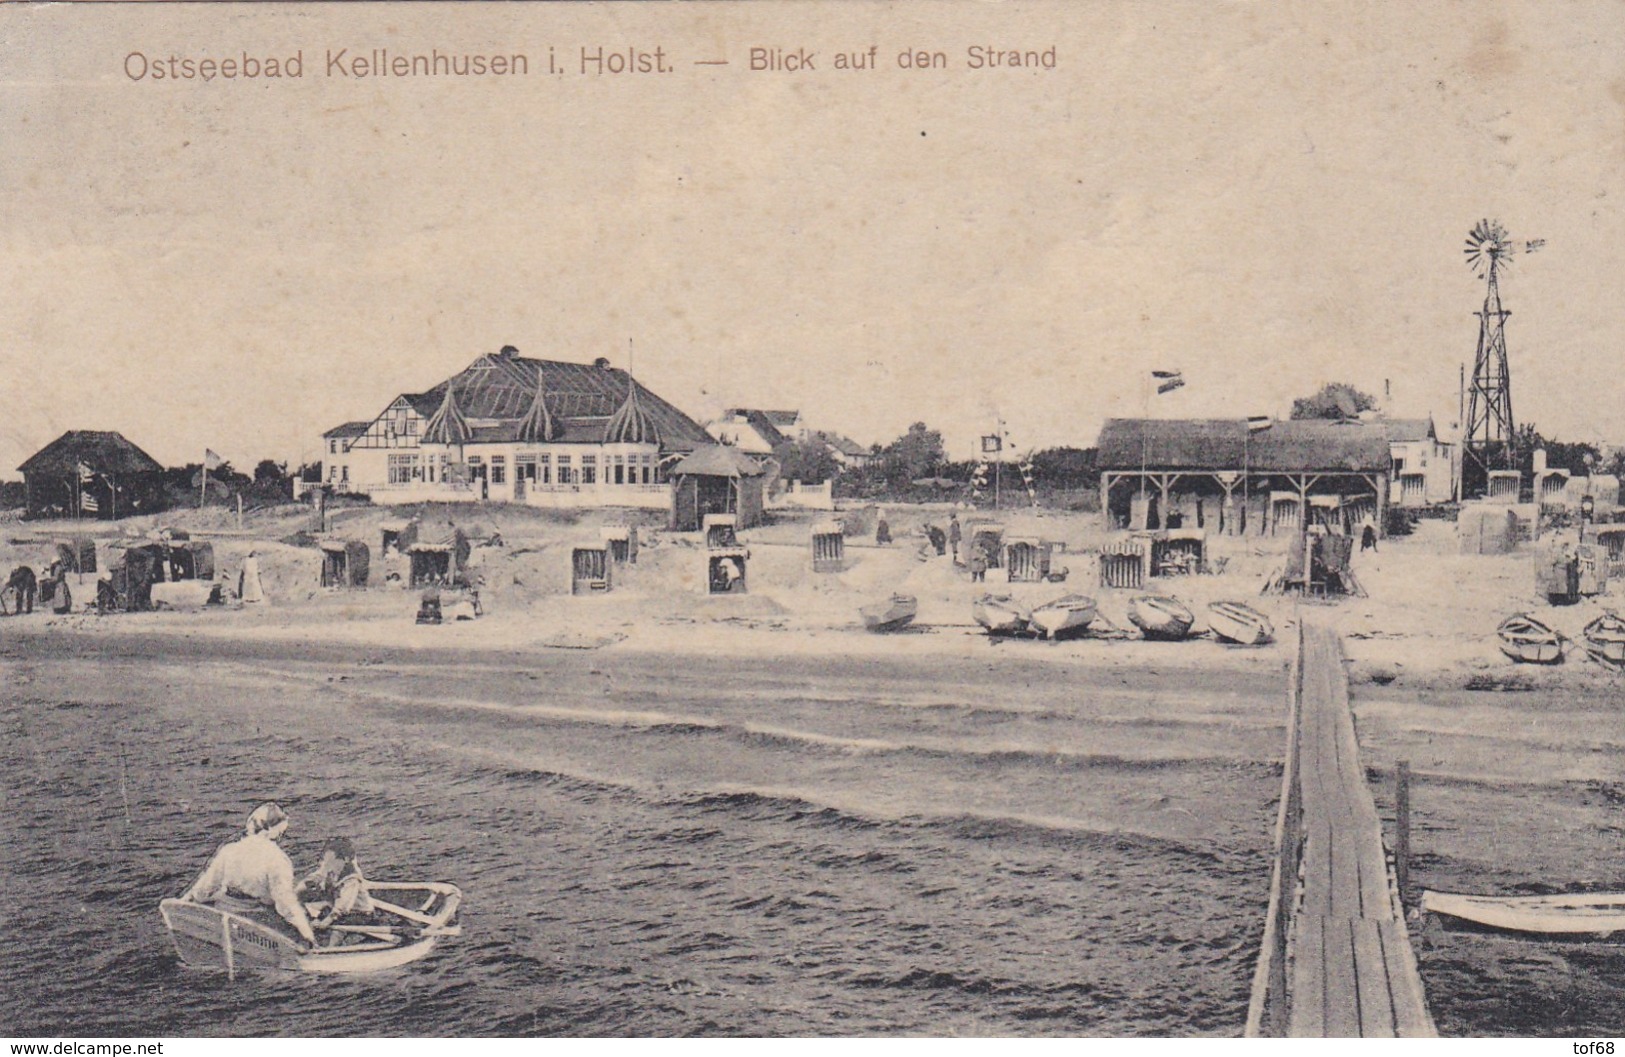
[(335, 888)]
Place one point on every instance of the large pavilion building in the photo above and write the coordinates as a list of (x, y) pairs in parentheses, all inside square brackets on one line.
[(1240, 476), (509, 428)]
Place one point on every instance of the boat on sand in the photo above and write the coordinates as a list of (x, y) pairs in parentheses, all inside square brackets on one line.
[(232, 934), (1160, 617), (894, 614), (1243, 625), (1575, 914), (1529, 641), (1000, 615), (1605, 640), (1067, 615)]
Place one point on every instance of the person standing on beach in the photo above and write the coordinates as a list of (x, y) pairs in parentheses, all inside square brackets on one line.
[(978, 565), (883, 530), (254, 867), (249, 589), (23, 582), (954, 536)]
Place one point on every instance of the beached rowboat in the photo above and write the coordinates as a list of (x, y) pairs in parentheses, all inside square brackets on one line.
[(895, 613), (1000, 615), (1067, 615), (1243, 625), (1605, 640), (1528, 641), (235, 934), (1578, 914), (1160, 617)]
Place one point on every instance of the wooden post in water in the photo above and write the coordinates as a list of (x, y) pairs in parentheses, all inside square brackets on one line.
[(1402, 826)]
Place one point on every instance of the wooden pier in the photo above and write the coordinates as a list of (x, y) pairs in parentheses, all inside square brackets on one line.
[(1336, 960)]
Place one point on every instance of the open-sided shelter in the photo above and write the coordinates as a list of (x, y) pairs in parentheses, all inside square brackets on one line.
[(87, 473), (715, 479), (1235, 475)]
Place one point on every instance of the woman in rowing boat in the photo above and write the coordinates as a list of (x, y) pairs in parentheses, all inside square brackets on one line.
[(335, 888), (254, 867)]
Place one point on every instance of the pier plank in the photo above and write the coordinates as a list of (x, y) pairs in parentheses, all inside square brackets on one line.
[(1353, 972)]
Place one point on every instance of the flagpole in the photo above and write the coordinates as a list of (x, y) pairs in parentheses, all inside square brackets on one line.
[(998, 432), (203, 489)]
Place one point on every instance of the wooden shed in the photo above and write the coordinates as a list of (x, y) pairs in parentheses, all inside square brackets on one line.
[(716, 479)]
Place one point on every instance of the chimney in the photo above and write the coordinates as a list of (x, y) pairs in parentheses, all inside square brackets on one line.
[(602, 363), (508, 352)]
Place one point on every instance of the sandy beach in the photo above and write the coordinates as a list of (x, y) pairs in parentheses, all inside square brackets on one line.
[(778, 706)]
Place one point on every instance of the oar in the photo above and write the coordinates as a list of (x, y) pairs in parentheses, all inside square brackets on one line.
[(400, 911)]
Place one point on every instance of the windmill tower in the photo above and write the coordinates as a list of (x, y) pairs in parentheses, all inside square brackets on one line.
[(1489, 434)]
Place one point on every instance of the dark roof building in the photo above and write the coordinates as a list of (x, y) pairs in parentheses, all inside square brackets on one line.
[(1283, 469), (514, 428), (91, 473)]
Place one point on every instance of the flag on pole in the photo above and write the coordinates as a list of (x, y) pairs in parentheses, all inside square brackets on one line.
[(1258, 422), (991, 443), (86, 473), (88, 503), (211, 461), (1168, 381)]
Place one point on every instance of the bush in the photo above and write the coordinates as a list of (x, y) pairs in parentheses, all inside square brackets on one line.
[(1401, 521)]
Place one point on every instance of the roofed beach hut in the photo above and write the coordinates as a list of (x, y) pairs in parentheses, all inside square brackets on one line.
[(87, 473), (716, 479), (439, 555), (345, 563)]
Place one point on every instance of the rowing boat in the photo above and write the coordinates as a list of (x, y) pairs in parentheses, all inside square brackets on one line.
[(1000, 615), (1160, 617), (1067, 615), (1529, 641), (894, 614), (1605, 640), (1243, 625), (1577, 914), (232, 934)]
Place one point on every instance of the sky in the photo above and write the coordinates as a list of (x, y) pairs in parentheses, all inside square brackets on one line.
[(1266, 197)]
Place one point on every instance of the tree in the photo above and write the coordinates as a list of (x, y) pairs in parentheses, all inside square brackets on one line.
[(269, 473), (1577, 457), (916, 454), (1335, 400), (1067, 468), (809, 461)]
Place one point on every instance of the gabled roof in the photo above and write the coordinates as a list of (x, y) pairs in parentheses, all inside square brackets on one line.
[(497, 391), (761, 421), (1296, 445), (844, 445), (1402, 430), (348, 431), (718, 460), (783, 419), (103, 451)]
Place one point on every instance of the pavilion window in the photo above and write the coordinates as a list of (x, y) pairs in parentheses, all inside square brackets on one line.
[(525, 468), (589, 469), (620, 469), (567, 473), (499, 469), (544, 469)]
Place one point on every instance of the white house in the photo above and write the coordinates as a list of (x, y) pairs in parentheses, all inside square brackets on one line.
[(1425, 468), (756, 432), (510, 428)]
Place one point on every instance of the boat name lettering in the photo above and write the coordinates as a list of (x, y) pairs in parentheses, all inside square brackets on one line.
[(258, 939)]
